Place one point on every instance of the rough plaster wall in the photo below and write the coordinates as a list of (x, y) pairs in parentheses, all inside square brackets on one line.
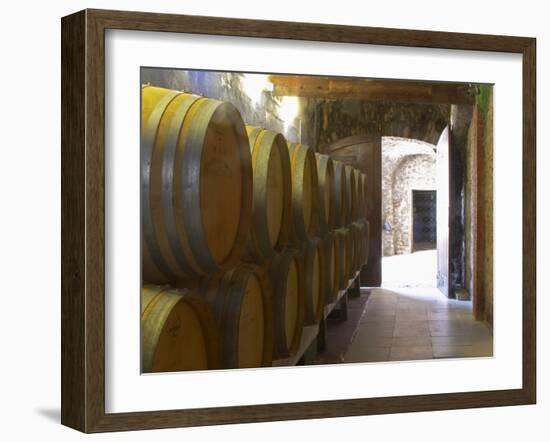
[(411, 162), (226, 86)]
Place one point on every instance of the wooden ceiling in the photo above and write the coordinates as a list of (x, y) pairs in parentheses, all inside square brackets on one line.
[(397, 91)]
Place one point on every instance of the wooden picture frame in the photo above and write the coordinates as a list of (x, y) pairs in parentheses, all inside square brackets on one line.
[(83, 220)]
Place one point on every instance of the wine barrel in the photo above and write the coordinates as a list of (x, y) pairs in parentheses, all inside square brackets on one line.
[(359, 196), (325, 174), (353, 238), (242, 302), (271, 199), (196, 185), (367, 240), (340, 248), (331, 268), (345, 255), (313, 262), (305, 203), (178, 331), (340, 201), (358, 245), (355, 245), (364, 241), (350, 196), (364, 213), (365, 237), (287, 278)]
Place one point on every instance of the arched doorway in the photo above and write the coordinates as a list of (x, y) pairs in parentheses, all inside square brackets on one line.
[(409, 183)]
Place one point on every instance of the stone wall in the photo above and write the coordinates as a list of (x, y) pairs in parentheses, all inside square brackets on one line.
[(407, 165), (326, 121)]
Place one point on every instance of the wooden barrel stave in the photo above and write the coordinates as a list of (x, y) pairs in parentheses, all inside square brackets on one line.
[(340, 201), (350, 196), (361, 228), (272, 191), (366, 241), (330, 268), (305, 210), (345, 255), (359, 197), (339, 246), (287, 278), (314, 261), (357, 237), (178, 331), (365, 209), (242, 302), (325, 175)]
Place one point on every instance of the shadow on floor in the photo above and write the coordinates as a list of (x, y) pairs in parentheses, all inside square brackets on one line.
[(51, 414), (340, 333)]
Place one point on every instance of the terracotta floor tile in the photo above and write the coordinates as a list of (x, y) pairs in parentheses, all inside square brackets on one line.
[(411, 341), (446, 314), (462, 351), (371, 341), (411, 353), (378, 315), (411, 328), (470, 339), (414, 315), (375, 329), (372, 354)]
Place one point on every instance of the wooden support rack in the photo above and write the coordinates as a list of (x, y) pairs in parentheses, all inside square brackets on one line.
[(311, 332)]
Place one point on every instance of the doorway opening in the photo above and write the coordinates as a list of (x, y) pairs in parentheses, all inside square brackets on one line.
[(409, 207)]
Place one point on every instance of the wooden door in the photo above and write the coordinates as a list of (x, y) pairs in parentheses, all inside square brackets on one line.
[(443, 213), (365, 153)]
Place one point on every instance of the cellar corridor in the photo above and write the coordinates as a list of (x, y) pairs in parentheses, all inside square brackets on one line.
[(269, 200)]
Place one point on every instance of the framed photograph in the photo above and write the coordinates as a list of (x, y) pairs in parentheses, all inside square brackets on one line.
[(270, 220)]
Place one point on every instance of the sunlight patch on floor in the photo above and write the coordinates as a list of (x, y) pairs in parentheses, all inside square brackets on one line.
[(418, 269)]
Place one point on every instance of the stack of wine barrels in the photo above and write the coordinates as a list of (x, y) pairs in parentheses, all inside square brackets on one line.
[(351, 233), (245, 237)]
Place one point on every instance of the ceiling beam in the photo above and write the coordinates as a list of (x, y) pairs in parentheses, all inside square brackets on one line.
[(396, 91)]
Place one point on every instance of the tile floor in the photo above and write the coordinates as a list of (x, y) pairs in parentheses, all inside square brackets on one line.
[(417, 323)]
